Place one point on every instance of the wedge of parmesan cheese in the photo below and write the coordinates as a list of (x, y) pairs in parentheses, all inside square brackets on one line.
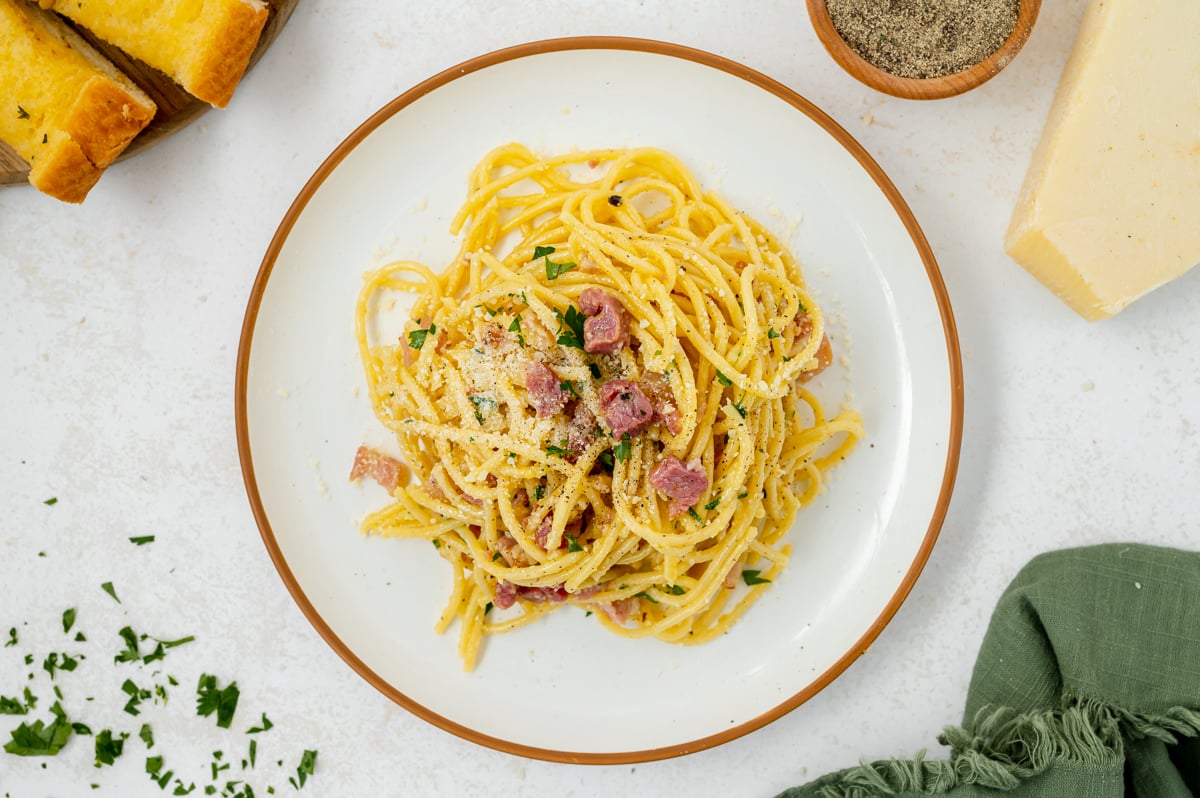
[(1110, 207)]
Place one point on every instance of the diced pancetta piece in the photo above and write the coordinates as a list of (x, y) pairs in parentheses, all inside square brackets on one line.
[(545, 389), (682, 483), (658, 391), (387, 471), (625, 408), (605, 330)]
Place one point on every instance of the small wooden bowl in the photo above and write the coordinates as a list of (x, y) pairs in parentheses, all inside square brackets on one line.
[(922, 88)]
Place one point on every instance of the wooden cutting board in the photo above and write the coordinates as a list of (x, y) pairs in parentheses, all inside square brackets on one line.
[(176, 108)]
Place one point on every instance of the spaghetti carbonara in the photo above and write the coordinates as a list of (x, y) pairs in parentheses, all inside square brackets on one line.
[(601, 401)]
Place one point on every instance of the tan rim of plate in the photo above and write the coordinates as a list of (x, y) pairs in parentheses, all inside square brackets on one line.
[(600, 43)]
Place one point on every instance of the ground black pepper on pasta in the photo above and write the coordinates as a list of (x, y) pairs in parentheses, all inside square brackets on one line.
[(924, 38)]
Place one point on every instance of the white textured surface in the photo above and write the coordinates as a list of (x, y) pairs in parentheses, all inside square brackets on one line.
[(119, 324)]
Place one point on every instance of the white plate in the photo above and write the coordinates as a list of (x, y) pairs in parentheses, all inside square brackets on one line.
[(565, 689)]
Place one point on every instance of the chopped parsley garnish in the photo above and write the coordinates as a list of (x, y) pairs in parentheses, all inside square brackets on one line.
[(569, 387), (606, 460), (52, 663), (559, 451), (752, 578), (489, 311), (741, 410), (416, 338), (38, 739), (615, 200), (12, 638), (142, 540), (147, 735), (488, 607), (308, 763), (263, 725), (570, 331), (108, 588), (22, 113), (773, 334), (516, 327), (136, 696), (646, 596), (801, 309), (538, 492), (743, 495), (53, 500), (437, 544), (572, 544), (210, 699), (592, 367), (676, 590), (712, 505), (553, 270), (482, 403), (68, 620), (695, 515), (496, 555), (721, 378), (108, 748), (624, 449)]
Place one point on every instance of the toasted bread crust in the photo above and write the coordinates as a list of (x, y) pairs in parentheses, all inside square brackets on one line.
[(63, 170), (82, 111), (104, 119), (218, 73)]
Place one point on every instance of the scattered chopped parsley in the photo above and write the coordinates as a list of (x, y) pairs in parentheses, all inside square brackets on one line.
[(263, 725), (108, 588), (437, 544), (136, 696), (38, 739), (695, 515), (210, 699), (592, 367), (573, 544), (142, 540), (488, 608), (538, 492), (772, 334), (53, 500), (147, 735), (743, 495), (801, 309), (416, 338), (738, 407), (721, 378), (569, 387), (308, 763), (624, 449), (553, 270), (570, 331), (676, 590), (646, 596), (712, 505), (495, 556), (516, 327), (559, 451), (13, 706), (482, 403), (52, 663), (68, 619), (752, 578), (489, 311), (109, 748), (12, 638)]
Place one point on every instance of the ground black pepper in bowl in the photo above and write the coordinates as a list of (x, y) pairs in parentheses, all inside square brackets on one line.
[(924, 38)]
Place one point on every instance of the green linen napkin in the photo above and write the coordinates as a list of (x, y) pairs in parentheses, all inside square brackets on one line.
[(1087, 685)]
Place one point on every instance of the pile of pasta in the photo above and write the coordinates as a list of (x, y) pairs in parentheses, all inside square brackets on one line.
[(652, 477)]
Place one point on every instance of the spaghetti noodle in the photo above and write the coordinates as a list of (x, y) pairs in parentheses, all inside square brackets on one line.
[(601, 400)]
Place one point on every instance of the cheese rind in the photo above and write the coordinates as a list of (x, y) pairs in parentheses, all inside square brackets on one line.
[(1110, 207)]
